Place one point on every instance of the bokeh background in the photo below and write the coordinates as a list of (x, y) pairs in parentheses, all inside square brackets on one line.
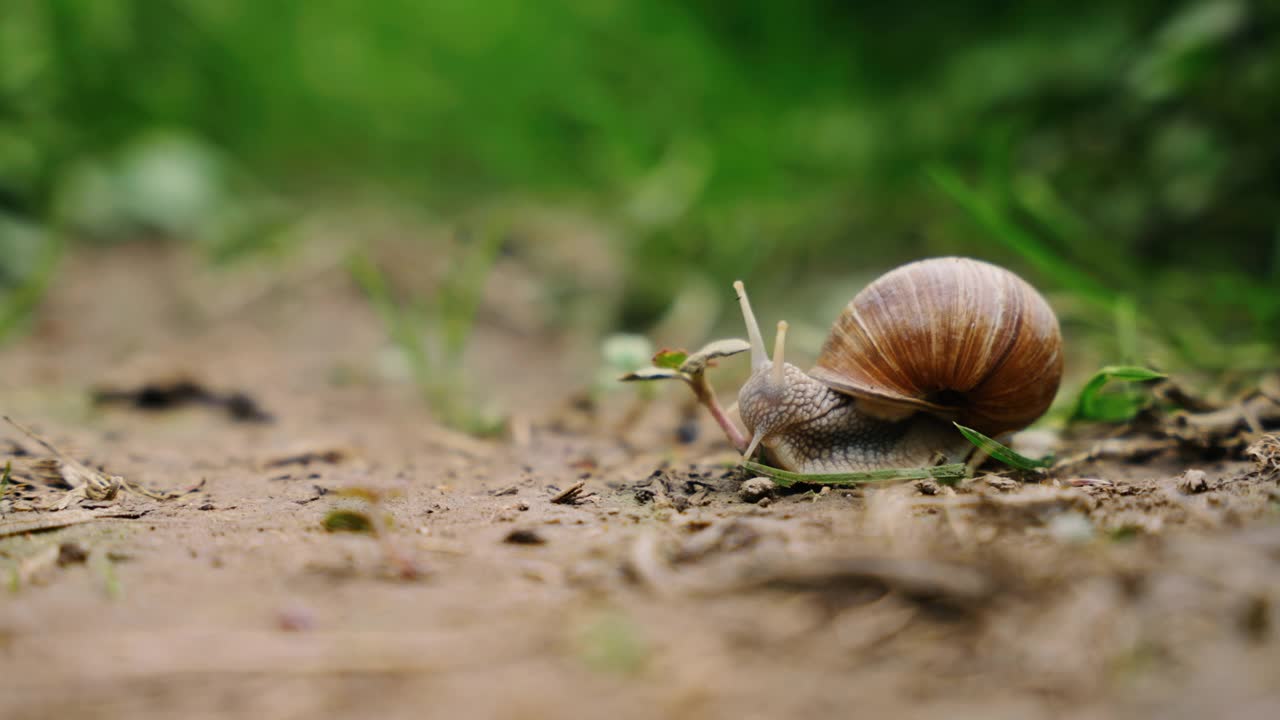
[(1121, 155)]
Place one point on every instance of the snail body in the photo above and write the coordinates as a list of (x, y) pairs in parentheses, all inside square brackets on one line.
[(930, 343)]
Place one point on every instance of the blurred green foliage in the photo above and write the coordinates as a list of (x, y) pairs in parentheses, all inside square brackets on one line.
[(1120, 151)]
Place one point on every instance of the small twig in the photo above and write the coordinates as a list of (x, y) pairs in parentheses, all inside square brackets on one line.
[(63, 519), (1252, 413), (569, 496), (1118, 448)]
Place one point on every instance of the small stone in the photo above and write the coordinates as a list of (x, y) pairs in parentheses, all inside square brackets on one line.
[(687, 433), (1193, 482), (1002, 484), (757, 489), (522, 506), (295, 619), (927, 486), (765, 502), (1070, 527), (523, 536), (70, 553)]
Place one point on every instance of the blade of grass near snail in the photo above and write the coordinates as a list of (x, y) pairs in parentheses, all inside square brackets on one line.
[(786, 478), (1093, 405), (1001, 452)]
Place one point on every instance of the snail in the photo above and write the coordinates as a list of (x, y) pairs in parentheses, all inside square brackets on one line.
[(931, 343)]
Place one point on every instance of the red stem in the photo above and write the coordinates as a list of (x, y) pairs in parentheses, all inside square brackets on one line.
[(702, 389)]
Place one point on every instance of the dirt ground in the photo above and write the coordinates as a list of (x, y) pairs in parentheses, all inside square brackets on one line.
[(655, 590)]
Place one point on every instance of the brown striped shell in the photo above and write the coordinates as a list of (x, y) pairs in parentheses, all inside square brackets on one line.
[(960, 338)]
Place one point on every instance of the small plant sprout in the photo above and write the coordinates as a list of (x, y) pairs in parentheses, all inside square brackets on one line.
[(692, 370), (433, 335), (1095, 404)]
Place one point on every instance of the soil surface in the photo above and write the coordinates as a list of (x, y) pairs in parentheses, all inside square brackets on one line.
[(573, 568)]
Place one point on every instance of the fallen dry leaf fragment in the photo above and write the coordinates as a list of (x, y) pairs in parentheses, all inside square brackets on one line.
[(1265, 452)]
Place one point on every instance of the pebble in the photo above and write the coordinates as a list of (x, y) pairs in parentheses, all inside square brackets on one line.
[(757, 489), (1193, 482), (524, 536)]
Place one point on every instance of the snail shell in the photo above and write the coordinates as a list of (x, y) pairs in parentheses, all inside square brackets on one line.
[(959, 338)]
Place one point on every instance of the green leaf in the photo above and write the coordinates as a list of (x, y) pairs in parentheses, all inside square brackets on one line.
[(1001, 452), (785, 478), (670, 359), (348, 521), (1093, 404), (4, 479)]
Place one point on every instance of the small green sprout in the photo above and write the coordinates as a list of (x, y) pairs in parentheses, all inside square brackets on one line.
[(1094, 404)]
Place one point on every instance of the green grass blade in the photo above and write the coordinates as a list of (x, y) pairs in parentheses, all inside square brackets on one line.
[(786, 478), (4, 479), (18, 305), (401, 323), (1001, 452), (462, 291), (374, 285), (670, 359), (1005, 230), (1093, 404)]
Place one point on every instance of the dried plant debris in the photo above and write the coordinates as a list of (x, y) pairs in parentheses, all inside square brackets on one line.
[(1188, 424), (176, 394), (331, 456), (1254, 413), (82, 482), (56, 521), (572, 495), (1266, 453)]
